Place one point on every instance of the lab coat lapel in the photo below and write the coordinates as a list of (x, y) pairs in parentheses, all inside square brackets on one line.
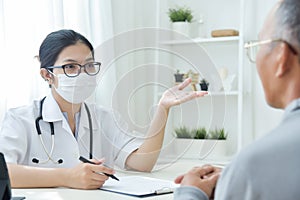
[(52, 113), (84, 126)]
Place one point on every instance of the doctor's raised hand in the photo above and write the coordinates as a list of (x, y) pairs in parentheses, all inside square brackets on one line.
[(145, 157), (176, 95), (42, 142)]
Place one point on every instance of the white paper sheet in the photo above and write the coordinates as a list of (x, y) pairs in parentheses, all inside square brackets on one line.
[(139, 186)]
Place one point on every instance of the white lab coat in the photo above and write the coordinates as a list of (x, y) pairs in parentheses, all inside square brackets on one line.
[(20, 142)]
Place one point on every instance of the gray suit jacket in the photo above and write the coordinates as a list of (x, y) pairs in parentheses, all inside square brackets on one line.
[(268, 169)]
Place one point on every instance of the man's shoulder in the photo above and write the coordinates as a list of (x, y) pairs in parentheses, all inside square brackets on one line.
[(273, 148), (257, 168)]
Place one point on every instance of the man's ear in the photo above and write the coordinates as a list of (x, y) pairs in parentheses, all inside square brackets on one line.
[(284, 54)]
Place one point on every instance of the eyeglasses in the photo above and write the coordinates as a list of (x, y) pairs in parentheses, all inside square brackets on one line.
[(253, 47), (74, 69)]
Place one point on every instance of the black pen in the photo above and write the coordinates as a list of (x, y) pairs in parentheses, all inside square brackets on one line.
[(82, 159)]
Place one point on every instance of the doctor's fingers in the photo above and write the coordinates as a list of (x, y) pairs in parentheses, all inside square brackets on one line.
[(93, 184), (101, 169), (186, 96), (98, 162), (97, 184), (98, 177), (185, 83), (92, 180)]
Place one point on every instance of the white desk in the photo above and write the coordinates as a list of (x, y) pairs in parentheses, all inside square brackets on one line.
[(161, 171)]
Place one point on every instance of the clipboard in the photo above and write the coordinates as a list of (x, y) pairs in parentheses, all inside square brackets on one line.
[(139, 186)]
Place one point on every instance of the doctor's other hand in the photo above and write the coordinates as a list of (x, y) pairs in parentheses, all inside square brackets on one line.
[(176, 95), (88, 176), (205, 178)]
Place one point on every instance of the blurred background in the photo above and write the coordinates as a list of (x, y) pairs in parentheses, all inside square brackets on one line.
[(141, 50)]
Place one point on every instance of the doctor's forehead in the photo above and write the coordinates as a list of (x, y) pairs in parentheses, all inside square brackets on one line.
[(75, 53)]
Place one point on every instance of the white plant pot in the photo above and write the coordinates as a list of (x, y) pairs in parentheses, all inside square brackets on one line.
[(180, 28), (201, 149), (189, 29)]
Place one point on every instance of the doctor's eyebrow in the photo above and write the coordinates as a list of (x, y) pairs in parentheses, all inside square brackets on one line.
[(75, 61), (89, 59)]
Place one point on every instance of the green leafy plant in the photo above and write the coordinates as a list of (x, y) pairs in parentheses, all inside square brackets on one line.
[(204, 85), (200, 133), (218, 134), (180, 14), (204, 81), (182, 132), (178, 76)]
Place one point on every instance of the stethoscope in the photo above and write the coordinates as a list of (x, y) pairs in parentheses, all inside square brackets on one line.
[(49, 154)]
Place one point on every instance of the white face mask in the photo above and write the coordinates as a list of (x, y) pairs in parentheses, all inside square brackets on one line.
[(77, 89)]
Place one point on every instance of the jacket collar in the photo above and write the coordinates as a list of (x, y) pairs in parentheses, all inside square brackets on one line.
[(294, 105)]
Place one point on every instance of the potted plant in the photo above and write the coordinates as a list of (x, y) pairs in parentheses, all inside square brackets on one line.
[(199, 133), (218, 134), (204, 85), (199, 142), (181, 18), (178, 77), (183, 132), (180, 14)]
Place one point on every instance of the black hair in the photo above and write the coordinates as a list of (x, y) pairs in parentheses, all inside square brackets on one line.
[(55, 42), (288, 22)]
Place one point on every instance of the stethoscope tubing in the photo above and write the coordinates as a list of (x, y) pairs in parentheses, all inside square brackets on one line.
[(45, 150), (49, 154)]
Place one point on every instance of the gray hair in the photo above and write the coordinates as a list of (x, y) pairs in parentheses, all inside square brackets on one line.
[(288, 22)]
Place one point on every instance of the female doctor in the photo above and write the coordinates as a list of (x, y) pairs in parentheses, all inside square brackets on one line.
[(43, 141)]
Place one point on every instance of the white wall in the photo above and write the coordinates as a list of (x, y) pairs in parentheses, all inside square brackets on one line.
[(134, 103)]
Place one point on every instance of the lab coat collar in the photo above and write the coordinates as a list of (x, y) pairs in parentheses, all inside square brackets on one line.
[(51, 111)]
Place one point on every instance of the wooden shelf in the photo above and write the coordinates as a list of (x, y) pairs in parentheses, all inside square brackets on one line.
[(229, 93), (221, 93), (202, 40)]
